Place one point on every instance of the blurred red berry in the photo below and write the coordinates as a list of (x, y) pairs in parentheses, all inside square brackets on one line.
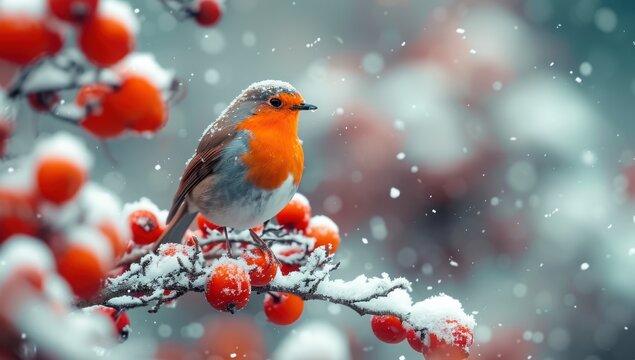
[(205, 225), (228, 287), (139, 104), (18, 214), (24, 39), (113, 235), (120, 320), (282, 308), (145, 227), (296, 214), (43, 101), (388, 328), (263, 267), (82, 270), (325, 232), (75, 11), (6, 129), (59, 179), (105, 40), (208, 12)]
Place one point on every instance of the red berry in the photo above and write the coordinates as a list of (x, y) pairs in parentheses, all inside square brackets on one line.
[(263, 267), (228, 287), (6, 129), (388, 328), (82, 270), (172, 249), (120, 320), (18, 214), (43, 101), (286, 267), (145, 227), (205, 225), (73, 10), (105, 40), (296, 214), (283, 308), (437, 347), (59, 179), (92, 95), (24, 39), (208, 12), (116, 241), (414, 340), (325, 232)]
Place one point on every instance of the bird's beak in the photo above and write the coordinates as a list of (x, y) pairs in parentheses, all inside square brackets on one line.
[(304, 106)]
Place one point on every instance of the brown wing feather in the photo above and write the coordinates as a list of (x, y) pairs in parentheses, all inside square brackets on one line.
[(202, 164)]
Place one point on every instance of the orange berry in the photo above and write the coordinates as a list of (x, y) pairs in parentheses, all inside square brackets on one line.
[(208, 12), (59, 179), (296, 214), (24, 39), (115, 240), (82, 270), (73, 10), (105, 40), (205, 225), (263, 267), (145, 227), (325, 233), (282, 308), (138, 104), (228, 287), (18, 214), (388, 328)]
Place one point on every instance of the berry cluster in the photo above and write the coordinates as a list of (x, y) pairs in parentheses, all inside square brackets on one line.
[(105, 88), (238, 264), (48, 215), (450, 342)]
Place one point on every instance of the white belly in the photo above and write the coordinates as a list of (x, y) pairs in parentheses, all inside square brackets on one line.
[(252, 210)]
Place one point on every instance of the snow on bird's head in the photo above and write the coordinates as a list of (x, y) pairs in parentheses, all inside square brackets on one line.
[(263, 90)]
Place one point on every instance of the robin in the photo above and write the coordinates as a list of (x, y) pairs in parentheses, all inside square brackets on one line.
[(248, 163)]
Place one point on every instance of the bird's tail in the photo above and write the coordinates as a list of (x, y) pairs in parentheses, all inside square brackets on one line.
[(177, 226)]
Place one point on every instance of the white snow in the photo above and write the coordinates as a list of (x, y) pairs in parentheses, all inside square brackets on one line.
[(323, 221), (316, 337), (301, 199), (121, 11), (65, 146), (146, 65), (35, 8), (145, 204), (24, 250), (435, 312), (93, 240)]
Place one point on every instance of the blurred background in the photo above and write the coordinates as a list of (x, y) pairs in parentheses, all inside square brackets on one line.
[(483, 148)]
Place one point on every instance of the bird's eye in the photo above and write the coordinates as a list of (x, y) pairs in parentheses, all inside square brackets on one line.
[(275, 102)]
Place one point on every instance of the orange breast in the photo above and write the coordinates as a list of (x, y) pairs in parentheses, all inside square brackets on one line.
[(274, 149)]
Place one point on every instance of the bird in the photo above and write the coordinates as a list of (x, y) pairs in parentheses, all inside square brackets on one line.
[(248, 163)]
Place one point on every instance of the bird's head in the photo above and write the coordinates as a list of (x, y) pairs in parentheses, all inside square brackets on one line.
[(269, 103)]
